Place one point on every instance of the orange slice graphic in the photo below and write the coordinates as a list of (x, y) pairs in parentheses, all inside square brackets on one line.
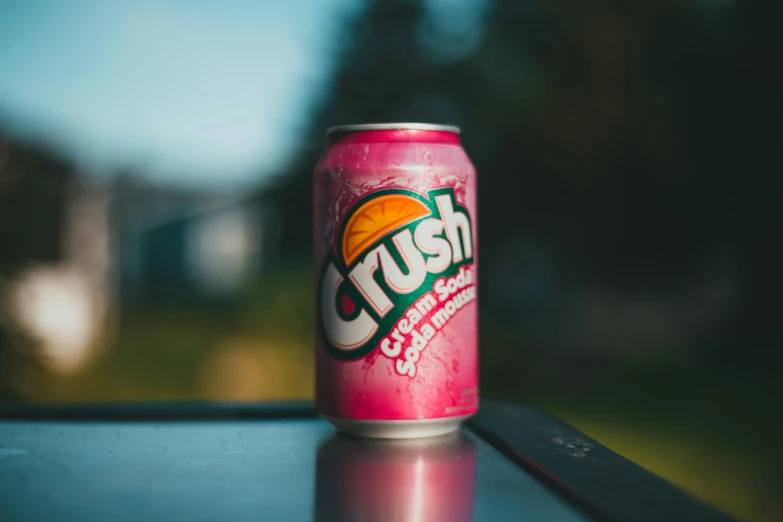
[(377, 218)]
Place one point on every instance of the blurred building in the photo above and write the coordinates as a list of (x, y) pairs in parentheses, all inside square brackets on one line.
[(57, 285), (74, 249), (194, 246)]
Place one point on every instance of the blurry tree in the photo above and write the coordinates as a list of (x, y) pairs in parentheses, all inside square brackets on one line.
[(626, 142), (383, 74)]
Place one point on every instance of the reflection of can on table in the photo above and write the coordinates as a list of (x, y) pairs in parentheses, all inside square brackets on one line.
[(428, 480), (395, 252)]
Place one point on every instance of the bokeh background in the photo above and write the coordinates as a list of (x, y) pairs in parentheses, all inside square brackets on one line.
[(155, 219)]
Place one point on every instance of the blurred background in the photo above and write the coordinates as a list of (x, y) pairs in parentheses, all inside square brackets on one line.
[(155, 226)]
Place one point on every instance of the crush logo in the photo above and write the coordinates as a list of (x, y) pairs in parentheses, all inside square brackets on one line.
[(403, 269)]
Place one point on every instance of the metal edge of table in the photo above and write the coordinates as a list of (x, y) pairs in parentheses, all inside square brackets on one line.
[(584, 473), (596, 479)]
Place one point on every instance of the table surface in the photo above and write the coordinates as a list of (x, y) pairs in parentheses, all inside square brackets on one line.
[(265, 470), (279, 463)]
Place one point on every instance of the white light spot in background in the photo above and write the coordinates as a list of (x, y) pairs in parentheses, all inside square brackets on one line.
[(222, 249), (55, 306)]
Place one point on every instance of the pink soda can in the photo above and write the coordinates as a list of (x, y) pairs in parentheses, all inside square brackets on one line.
[(395, 252)]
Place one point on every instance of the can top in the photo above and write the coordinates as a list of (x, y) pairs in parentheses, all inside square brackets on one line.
[(340, 129)]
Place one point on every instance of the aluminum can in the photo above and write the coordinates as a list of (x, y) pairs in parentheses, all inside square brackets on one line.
[(395, 250), (430, 479)]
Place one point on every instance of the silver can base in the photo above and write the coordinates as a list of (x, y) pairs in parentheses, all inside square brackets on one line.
[(397, 429)]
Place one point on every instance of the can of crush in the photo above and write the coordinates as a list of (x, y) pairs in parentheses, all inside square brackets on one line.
[(395, 250)]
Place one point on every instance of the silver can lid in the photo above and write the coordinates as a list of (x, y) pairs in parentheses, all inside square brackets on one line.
[(340, 129)]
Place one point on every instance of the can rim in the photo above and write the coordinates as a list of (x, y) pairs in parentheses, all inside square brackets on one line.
[(341, 129)]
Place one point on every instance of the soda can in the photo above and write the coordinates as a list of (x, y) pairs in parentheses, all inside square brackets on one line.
[(395, 251), (430, 479)]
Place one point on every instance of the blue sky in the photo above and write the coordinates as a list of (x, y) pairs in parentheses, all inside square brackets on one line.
[(203, 92)]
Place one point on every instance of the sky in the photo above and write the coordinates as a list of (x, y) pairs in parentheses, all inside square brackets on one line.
[(192, 91)]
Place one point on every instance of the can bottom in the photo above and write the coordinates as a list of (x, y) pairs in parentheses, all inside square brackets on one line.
[(397, 429)]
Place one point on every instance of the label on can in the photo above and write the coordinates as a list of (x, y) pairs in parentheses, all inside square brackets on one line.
[(396, 305)]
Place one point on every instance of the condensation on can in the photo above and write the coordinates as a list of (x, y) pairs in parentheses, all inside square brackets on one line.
[(395, 249)]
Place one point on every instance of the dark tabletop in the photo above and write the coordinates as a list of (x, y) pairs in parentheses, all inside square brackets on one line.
[(239, 464)]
